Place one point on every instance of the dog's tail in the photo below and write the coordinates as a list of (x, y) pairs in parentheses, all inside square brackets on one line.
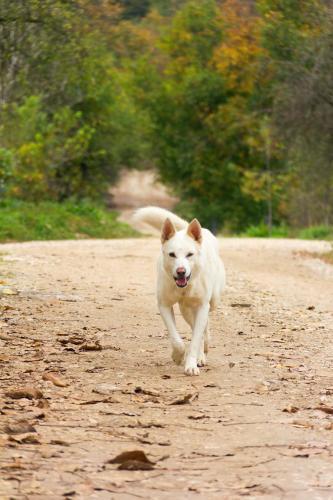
[(155, 216)]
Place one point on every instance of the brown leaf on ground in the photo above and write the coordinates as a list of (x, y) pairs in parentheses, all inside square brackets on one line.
[(53, 377), (290, 409), (136, 465), (240, 304), (24, 392), (148, 392), (96, 401), (149, 425), (19, 428), (43, 403), (134, 455), (325, 409), (185, 400), (91, 346), (27, 439)]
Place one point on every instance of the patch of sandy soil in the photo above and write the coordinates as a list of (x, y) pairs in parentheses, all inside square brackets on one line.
[(86, 374), (136, 189)]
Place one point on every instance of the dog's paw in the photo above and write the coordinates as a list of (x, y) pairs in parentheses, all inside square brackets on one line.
[(202, 360), (191, 367), (177, 354)]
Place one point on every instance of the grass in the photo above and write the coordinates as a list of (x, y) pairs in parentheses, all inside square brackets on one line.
[(316, 233), (261, 231), (24, 221), (320, 232)]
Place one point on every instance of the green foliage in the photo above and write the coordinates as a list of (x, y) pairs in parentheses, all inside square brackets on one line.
[(316, 233), (262, 231), (6, 168), (24, 221), (230, 100), (78, 125), (206, 130)]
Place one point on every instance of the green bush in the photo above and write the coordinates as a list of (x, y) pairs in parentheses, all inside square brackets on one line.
[(26, 221), (261, 231), (321, 232)]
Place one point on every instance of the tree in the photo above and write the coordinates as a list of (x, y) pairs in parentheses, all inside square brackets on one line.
[(299, 38), (206, 111)]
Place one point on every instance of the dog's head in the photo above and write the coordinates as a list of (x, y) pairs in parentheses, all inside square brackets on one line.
[(181, 251)]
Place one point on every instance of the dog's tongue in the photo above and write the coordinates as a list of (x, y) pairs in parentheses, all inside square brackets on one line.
[(181, 281)]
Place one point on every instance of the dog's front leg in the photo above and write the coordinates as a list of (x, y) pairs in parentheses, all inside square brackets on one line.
[(178, 348), (200, 323)]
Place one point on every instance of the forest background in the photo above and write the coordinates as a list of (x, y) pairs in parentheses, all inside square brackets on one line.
[(230, 102)]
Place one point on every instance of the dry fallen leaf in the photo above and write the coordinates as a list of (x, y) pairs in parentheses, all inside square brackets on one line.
[(325, 409), (290, 409), (148, 392), (43, 403), (134, 455), (136, 465), (91, 346), (52, 377), (19, 428), (149, 425), (24, 392), (187, 399), (27, 439), (96, 401)]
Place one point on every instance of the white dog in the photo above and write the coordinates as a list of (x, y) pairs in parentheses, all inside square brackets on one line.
[(191, 273)]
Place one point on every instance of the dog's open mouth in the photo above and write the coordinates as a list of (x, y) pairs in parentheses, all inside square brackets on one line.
[(182, 282)]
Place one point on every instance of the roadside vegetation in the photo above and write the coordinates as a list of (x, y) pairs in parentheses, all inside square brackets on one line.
[(24, 221), (310, 233), (229, 101)]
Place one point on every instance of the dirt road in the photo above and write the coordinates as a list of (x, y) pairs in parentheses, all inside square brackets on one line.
[(257, 422)]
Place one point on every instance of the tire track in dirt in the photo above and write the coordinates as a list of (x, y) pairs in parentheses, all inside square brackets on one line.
[(258, 423)]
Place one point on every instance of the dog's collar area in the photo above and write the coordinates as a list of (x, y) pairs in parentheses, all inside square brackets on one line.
[(182, 282)]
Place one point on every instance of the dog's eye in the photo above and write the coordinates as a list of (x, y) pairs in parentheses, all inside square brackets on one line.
[(189, 255), (172, 254)]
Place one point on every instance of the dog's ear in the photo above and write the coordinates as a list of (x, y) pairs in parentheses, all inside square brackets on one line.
[(194, 230), (168, 230)]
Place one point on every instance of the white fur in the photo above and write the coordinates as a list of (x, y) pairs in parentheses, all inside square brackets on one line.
[(204, 288)]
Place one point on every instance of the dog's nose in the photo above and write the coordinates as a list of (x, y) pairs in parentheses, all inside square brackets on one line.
[(180, 271)]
